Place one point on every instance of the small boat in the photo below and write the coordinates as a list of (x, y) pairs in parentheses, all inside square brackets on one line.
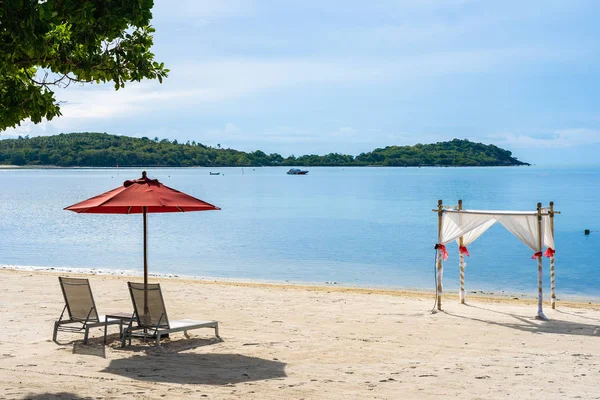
[(214, 173), (296, 171)]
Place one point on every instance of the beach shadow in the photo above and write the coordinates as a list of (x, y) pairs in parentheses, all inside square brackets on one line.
[(199, 369), (92, 340), (533, 325), (94, 346), (578, 315), (90, 349), (166, 346), (54, 396)]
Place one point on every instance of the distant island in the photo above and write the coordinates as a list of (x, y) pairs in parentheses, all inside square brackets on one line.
[(104, 150)]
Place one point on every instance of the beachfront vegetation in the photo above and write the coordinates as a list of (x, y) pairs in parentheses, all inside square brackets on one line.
[(104, 150), (46, 45)]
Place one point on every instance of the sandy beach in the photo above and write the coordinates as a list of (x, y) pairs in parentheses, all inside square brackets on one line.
[(299, 342)]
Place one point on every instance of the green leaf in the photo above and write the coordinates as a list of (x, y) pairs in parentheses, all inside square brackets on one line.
[(69, 37)]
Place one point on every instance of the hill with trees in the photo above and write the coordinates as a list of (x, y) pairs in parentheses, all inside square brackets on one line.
[(104, 150)]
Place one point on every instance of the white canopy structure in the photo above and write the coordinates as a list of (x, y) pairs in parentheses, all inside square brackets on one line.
[(534, 228)]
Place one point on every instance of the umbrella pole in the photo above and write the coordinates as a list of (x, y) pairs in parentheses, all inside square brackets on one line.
[(552, 279), (144, 208)]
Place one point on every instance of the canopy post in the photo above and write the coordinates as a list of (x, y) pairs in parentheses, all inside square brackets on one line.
[(440, 266), (540, 314), (552, 282), (461, 263)]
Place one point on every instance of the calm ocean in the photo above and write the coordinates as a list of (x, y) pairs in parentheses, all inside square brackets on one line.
[(353, 226)]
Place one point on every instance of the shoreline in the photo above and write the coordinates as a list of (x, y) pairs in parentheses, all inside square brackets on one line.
[(513, 298), (17, 167)]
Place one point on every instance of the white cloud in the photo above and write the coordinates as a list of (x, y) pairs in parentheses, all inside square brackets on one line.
[(557, 138), (231, 78), (206, 85), (231, 128), (27, 127), (200, 9), (288, 139), (345, 131)]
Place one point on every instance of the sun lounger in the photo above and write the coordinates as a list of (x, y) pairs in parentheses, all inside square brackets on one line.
[(79, 303), (151, 315)]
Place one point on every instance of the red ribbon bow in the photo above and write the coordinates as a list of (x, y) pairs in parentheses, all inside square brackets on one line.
[(536, 255), (549, 252), (463, 250), (442, 248)]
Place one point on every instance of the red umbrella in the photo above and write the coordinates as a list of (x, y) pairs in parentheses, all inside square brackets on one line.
[(141, 196)]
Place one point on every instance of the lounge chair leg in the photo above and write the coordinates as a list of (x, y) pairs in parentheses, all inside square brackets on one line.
[(55, 331), (217, 330), (85, 336), (124, 334), (158, 339), (106, 328)]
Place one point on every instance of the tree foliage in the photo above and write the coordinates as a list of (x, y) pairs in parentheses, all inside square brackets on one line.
[(103, 150), (46, 45)]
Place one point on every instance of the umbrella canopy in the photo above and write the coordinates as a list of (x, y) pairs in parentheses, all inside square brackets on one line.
[(141, 196)]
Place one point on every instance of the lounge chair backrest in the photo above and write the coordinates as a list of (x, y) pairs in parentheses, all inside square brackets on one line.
[(78, 299), (154, 314)]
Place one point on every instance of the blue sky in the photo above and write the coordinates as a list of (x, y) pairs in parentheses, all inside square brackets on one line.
[(309, 76)]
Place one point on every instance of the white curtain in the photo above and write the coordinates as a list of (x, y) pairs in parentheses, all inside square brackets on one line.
[(470, 226), (471, 236), (525, 227), (455, 225)]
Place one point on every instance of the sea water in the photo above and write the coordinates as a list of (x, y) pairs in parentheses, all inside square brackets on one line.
[(352, 226)]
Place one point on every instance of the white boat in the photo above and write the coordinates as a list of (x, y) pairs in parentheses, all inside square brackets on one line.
[(296, 171)]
